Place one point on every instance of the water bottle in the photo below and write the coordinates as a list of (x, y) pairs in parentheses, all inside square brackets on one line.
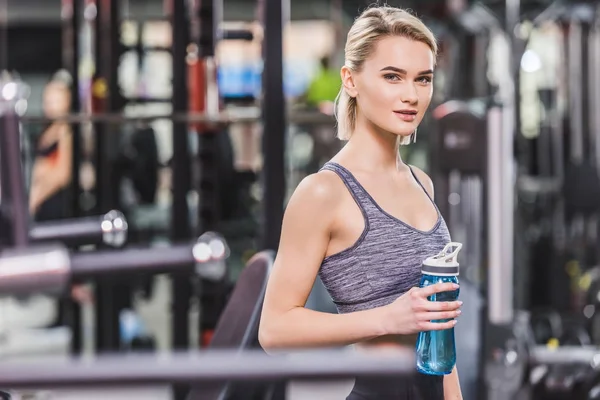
[(436, 350)]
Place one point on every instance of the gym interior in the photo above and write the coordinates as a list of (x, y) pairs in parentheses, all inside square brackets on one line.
[(139, 273)]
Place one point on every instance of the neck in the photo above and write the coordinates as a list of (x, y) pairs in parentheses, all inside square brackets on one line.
[(377, 148)]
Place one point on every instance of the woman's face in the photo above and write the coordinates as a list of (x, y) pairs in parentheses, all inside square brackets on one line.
[(394, 87), (56, 100)]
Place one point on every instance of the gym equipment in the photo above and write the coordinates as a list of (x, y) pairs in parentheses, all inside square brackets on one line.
[(49, 268), (204, 366), (232, 365), (237, 327), (13, 202), (474, 171), (218, 119), (109, 229), (459, 180)]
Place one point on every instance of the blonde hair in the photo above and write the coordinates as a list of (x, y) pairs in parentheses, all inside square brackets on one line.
[(374, 24)]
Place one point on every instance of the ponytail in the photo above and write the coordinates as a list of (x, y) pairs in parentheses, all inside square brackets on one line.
[(345, 114)]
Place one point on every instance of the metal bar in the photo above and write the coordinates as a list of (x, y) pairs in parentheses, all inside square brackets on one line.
[(148, 260), (3, 35), (111, 297), (218, 119), (500, 218), (274, 123), (565, 355), (208, 185), (110, 229), (594, 82), (574, 52), (48, 268), (71, 13), (13, 187), (181, 180), (39, 270), (212, 365)]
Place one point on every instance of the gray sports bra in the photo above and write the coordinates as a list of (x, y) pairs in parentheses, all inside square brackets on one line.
[(385, 261)]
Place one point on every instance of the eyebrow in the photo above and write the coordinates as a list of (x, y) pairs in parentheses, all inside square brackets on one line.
[(403, 71)]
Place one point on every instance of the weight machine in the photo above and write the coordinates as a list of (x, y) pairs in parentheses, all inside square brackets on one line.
[(482, 169)]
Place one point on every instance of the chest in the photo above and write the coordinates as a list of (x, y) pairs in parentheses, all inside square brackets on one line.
[(386, 264), (395, 264), (401, 199)]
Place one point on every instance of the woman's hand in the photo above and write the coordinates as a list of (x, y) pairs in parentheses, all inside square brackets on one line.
[(412, 313)]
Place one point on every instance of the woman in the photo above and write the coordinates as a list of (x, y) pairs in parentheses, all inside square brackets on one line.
[(366, 221), (51, 173)]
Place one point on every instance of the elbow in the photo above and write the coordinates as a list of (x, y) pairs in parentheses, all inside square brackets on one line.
[(266, 337)]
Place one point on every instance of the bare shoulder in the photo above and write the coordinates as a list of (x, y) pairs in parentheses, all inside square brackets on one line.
[(321, 190), (424, 178)]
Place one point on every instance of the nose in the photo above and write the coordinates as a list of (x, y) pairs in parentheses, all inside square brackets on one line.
[(409, 94)]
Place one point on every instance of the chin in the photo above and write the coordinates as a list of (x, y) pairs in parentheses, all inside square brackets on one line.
[(404, 133)]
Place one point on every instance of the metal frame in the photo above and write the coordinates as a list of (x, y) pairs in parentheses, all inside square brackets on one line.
[(111, 297), (225, 365), (212, 293), (14, 200), (275, 14), (213, 365), (71, 13), (181, 175)]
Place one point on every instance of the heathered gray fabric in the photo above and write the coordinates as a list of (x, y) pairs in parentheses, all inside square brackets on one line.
[(385, 261)]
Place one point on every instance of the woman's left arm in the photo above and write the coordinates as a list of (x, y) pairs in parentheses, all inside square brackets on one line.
[(452, 386), (451, 383)]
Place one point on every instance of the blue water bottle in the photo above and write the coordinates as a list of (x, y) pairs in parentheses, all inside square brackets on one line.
[(436, 350)]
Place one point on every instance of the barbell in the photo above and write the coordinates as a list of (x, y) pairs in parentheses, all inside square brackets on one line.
[(110, 229), (49, 268)]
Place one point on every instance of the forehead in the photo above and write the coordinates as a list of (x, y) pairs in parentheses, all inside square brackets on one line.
[(401, 52)]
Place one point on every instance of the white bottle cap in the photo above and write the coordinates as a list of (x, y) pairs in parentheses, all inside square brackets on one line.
[(443, 264)]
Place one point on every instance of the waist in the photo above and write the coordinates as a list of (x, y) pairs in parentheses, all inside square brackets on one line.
[(392, 342)]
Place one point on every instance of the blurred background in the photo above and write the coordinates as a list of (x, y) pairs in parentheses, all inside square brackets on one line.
[(129, 71)]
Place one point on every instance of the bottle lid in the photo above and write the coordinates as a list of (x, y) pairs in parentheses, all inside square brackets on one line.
[(445, 263)]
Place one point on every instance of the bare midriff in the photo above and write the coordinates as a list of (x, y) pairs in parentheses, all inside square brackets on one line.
[(390, 341)]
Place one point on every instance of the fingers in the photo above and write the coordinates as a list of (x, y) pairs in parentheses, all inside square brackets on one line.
[(437, 288), (436, 326), (440, 305), (439, 315)]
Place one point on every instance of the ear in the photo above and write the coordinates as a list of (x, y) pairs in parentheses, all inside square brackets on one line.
[(348, 81)]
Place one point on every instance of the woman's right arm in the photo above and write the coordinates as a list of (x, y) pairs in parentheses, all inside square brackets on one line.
[(286, 323)]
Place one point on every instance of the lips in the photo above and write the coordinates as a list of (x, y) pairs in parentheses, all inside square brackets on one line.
[(406, 115)]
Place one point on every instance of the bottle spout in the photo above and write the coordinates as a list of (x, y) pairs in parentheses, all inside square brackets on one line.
[(450, 257)]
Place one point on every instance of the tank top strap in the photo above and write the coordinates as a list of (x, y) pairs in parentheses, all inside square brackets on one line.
[(358, 192), (412, 171)]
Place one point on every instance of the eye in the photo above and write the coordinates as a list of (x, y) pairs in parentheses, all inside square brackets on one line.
[(391, 77), (425, 80)]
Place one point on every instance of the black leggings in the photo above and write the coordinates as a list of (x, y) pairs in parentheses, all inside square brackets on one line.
[(416, 387)]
